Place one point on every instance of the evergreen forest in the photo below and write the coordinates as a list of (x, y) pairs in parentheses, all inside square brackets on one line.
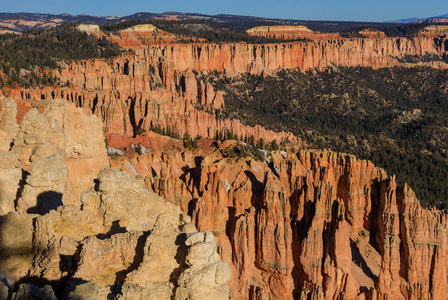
[(26, 58), (395, 117)]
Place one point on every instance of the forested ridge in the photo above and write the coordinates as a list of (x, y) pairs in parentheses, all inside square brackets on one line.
[(199, 29), (26, 58), (395, 117), (217, 33)]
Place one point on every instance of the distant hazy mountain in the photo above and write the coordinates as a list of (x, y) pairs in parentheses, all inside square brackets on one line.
[(409, 20), (19, 22), (437, 19)]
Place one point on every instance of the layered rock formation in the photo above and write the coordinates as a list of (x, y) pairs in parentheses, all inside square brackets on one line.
[(91, 29), (148, 34), (8, 124), (131, 93), (18, 25), (434, 31), (291, 32), (310, 225), (372, 33), (117, 240), (161, 85), (235, 59)]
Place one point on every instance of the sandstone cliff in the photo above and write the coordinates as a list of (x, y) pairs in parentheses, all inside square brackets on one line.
[(308, 225), (291, 32), (372, 33), (160, 85), (156, 86), (131, 92), (235, 59), (116, 240), (75, 137)]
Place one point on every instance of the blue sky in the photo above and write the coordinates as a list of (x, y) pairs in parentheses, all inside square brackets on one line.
[(349, 10)]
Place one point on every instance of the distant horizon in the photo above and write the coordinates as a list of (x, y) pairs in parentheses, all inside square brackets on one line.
[(180, 12), (324, 10), (241, 15)]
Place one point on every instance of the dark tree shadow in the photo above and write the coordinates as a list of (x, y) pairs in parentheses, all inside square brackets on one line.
[(21, 185), (194, 176), (114, 229), (181, 254), (46, 201), (120, 276), (192, 206)]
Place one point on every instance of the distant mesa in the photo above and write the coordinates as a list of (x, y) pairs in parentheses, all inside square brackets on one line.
[(91, 29), (137, 35), (290, 32), (432, 20), (408, 20), (171, 18), (146, 34), (88, 27), (372, 33), (6, 31), (49, 20), (143, 28)]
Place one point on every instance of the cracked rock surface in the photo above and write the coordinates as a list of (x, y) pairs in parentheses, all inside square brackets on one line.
[(113, 240)]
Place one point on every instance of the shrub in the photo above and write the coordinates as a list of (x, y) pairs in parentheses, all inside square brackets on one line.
[(140, 131), (139, 149)]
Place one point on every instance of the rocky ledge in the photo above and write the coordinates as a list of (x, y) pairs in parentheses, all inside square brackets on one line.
[(114, 240)]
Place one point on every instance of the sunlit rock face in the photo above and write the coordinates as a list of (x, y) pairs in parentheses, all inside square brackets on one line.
[(310, 224), (116, 239)]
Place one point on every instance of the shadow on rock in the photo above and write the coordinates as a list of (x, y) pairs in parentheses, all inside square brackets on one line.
[(46, 201)]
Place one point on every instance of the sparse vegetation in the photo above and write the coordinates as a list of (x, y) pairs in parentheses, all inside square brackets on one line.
[(140, 131), (187, 140), (236, 151), (167, 131), (139, 149)]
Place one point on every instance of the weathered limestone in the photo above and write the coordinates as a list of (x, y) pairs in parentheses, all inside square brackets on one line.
[(68, 132), (118, 240), (8, 124)]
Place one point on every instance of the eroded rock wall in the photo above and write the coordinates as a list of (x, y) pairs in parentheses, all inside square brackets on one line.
[(235, 59), (311, 225), (159, 85)]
